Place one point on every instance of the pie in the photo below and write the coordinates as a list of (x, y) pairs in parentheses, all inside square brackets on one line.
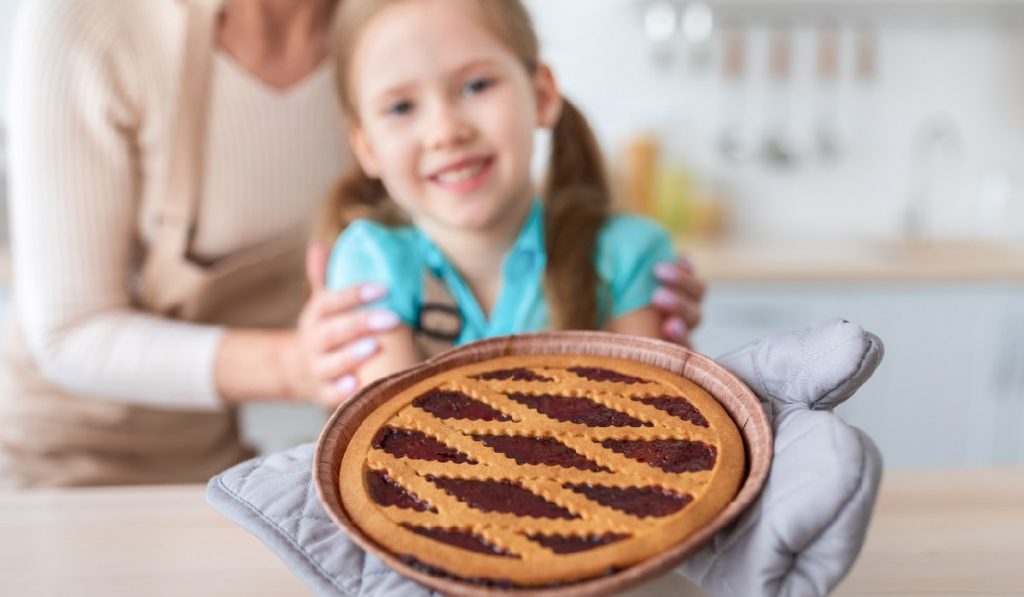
[(540, 470)]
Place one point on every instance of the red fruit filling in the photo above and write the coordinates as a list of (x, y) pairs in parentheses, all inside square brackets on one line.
[(500, 496), (599, 374), (670, 455), (577, 410), (536, 450), (642, 502), (403, 443), (386, 492), (677, 407), (456, 405), (461, 539), (518, 374), (563, 544)]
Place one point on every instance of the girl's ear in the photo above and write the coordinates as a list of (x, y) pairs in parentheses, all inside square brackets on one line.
[(549, 98), (364, 151)]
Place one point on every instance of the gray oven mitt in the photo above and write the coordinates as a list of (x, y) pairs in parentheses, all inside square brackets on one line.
[(805, 531), (800, 538)]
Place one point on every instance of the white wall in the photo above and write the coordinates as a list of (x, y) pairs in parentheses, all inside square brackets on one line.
[(969, 76)]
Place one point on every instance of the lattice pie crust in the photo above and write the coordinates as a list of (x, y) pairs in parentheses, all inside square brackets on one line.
[(541, 470)]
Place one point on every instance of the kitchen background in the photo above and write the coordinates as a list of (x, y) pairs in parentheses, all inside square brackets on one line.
[(819, 158)]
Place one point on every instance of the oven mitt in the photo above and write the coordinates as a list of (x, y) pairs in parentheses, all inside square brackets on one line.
[(273, 497), (800, 538), (808, 525)]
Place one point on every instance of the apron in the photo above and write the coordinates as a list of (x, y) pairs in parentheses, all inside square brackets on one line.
[(50, 437)]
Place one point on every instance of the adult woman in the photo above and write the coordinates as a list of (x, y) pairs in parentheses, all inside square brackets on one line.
[(166, 159)]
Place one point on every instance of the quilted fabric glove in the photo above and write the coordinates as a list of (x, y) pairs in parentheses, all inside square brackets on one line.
[(800, 538), (806, 530), (273, 497)]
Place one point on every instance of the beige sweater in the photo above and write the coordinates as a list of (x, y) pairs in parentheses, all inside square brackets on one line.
[(92, 88)]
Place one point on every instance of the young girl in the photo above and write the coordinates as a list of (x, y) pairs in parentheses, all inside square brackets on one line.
[(443, 99)]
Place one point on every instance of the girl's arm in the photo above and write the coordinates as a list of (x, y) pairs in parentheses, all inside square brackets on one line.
[(396, 352), (642, 322), (628, 249), (368, 251)]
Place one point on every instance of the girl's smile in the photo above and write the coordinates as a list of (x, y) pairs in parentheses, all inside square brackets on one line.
[(465, 175)]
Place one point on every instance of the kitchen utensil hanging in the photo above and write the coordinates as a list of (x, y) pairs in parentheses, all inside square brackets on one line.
[(777, 148), (827, 87), (735, 139)]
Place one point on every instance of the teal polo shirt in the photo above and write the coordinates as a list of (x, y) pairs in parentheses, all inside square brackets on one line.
[(628, 247)]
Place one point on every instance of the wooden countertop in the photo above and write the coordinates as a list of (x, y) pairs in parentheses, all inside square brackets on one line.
[(849, 261), (944, 532), (935, 532)]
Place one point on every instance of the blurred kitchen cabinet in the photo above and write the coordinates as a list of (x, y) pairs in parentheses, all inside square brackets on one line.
[(273, 426), (950, 391), (1008, 386)]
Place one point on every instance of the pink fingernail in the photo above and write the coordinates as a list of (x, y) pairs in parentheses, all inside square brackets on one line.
[(665, 298), (686, 263), (677, 327), (347, 385), (364, 348), (666, 271), (372, 292), (382, 321)]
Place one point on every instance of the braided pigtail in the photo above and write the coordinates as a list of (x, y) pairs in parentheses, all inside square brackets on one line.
[(578, 201)]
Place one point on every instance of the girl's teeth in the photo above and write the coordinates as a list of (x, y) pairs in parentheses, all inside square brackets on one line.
[(461, 174)]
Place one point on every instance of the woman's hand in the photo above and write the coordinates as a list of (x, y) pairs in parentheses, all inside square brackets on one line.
[(678, 299), (333, 337)]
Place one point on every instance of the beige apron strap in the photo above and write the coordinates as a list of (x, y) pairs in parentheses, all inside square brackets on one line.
[(178, 203), (439, 322)]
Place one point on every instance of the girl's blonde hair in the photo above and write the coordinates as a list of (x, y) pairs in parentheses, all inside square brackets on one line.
[(576, 192)]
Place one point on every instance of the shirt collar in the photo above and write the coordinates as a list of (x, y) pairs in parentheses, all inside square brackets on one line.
[(433, 257), (531, 236), (530, 239)]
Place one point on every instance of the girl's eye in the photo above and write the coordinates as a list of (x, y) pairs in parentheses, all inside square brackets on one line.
[(477, 86), (399, 108)]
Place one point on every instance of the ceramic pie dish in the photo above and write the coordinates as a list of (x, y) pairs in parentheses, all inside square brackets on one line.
[(570, 462)]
